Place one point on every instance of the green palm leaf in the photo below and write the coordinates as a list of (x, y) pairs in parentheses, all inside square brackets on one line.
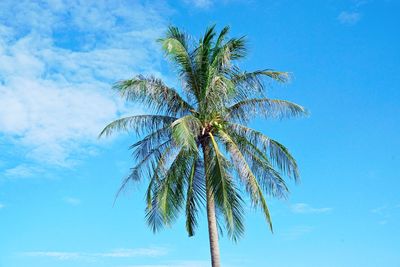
[(195, 194), (270, 180), (225, 193), (154, 94), (278, 153), (245, 172), (138, 124), (269, 108), (185, 131), (176, 49), (251, 84)]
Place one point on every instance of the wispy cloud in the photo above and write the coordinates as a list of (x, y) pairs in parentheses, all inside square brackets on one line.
[(2, 205), (359, 3), (304, 208), (22, 171), (380, 209), (296, 232), (384, 213), (176, 264), (119, 253), (54, 81), (72, 201), (349, 18), (53, 254), (200, 3), (129, 253)]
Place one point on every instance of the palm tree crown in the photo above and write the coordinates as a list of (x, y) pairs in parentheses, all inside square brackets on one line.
[(196, 147)]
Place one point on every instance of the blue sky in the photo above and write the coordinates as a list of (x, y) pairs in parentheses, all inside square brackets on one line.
[(58, 181)]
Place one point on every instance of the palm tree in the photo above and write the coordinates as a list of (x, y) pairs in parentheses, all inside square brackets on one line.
[(197, 148)]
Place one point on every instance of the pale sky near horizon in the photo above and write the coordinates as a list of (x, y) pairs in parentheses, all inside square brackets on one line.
[(58, 60)]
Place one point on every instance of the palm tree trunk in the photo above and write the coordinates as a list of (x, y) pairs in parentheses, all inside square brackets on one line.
[(212, 230), (211, 216)]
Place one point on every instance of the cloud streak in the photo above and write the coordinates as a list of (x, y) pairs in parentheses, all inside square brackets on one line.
[(176, 264), (22, 171), (384, 213), (349, 18), (303, 208), (118, 253), (202, 4), (296, 232), (72, 201), (53, 254)]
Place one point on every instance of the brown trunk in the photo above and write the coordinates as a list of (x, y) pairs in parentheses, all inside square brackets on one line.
[(211, 216), (212, 231)]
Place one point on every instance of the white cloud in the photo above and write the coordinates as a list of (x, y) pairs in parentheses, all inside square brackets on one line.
[(379, 210), (384, 213), (72, 201), (200, 3), (349, 18), (22, 171), (119, 253), (129, 253), (304, 208), (383, 222), (59, 59), (296, 232), (176, 264), (359, 3), (154, 252), (53, 254)]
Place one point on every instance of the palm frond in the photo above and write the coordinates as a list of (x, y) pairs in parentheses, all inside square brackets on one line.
[(154, 94), (251, 84), (175, 33), (219, 85), (269, 179), (155, 216), (233, 49), (217, 94), (241, 166), (195, 196), (278, 154), (138, 124), (185, 131), (148, 160), (176, 49), (147, 153), (245, 77), (225, 193), (146, 163), (170, 187), (201, 57), (221, 37), (142, 147), (245, 172), (269, 108)]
